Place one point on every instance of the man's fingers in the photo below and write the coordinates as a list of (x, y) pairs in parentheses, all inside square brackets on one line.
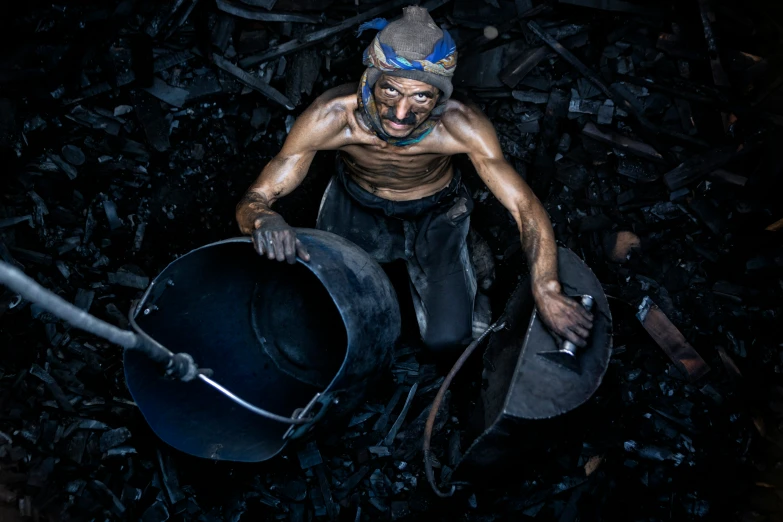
[(580, 331), (290, 249), (270, 245), (279, 246), (583, 320), (301, 251), (258, 242), (575, 338)]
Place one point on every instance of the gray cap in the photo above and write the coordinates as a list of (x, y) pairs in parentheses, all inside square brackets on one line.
[(413, 37)]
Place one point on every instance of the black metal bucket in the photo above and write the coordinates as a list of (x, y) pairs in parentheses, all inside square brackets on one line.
[(525, 394), (283, 337)]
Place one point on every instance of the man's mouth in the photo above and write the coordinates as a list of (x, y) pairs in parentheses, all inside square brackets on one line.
[(395, 125)]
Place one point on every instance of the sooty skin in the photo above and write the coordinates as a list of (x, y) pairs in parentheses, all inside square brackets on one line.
[(407, 173)]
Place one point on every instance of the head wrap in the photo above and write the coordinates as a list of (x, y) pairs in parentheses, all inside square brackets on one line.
[(412, 47)]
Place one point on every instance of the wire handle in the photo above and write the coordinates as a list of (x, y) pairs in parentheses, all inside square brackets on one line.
[(428, 427)]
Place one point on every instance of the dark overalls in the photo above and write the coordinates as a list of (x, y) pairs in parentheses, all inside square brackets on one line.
[(429, 234)]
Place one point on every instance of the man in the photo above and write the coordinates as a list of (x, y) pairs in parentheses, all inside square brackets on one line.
[(396, 194)]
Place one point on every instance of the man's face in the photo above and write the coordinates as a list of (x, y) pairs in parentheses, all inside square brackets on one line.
[(403, 103)]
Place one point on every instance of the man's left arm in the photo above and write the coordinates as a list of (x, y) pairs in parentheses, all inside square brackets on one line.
[(478, 138)]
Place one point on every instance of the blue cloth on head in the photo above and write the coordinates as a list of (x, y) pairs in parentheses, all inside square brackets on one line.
[(376, 23)]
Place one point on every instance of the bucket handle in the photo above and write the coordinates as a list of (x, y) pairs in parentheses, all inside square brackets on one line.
[(180, 365)]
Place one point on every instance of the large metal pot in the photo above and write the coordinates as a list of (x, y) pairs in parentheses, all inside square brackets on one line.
[(283, 337)]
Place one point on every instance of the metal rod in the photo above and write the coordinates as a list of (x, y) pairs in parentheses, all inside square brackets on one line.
[(28, 288), (22, 284), (251, 407)]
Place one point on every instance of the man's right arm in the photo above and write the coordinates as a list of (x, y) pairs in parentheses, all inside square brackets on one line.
[(317, 128)]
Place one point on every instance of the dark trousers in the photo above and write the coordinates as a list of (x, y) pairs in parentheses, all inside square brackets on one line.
[(429, 234)]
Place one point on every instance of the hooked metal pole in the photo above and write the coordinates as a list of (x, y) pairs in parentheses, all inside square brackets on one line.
[(180, 365)]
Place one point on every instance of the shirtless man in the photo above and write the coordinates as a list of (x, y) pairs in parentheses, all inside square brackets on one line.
[(396, 193)]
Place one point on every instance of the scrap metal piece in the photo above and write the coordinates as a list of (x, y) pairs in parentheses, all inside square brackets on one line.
[(671, 340), (318, 36), (252, 13), (252, 82), (522, 386), (699, 166)]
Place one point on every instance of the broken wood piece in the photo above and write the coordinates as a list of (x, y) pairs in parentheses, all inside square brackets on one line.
[(164, 14), (737, 293), (332, 509), (639, 171), (777, 225), (174, 96), (695, 168), (252, 82), (729, 177), (707, 19), (181, 19), (155, 126), (671, 340), (266, 4), (389, 439), (129, 280), (380, 424), (11, 221), (619, 245), (729, 363), (686, 115), (521, 66), (672, 44), (673, 91), (31, 256), (623, 143), (555, 113), (66, 167), (318, 36), (592, 464), (708, 213), (52, 385), (573, 175), (251, 13), (531, 97), (618, 6)]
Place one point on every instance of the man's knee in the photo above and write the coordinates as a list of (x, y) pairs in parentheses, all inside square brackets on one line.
[(448, 340)]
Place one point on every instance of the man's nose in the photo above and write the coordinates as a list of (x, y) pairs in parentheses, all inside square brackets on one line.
[(402, 109)]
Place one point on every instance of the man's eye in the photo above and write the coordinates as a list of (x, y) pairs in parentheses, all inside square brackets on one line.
[(391, 90), (420, 97)]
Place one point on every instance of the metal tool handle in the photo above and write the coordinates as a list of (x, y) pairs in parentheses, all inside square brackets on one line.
[(587, 302), (180, 365)]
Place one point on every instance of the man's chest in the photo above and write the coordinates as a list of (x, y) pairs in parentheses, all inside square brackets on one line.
[(392, 160)]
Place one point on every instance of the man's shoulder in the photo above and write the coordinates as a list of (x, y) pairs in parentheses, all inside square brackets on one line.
[(462, 118), (340, 98)]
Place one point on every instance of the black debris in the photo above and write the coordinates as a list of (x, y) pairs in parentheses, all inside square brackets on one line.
[(649, 130)]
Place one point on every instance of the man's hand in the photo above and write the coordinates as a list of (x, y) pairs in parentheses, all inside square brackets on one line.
[(564, 316), (276, 239)]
